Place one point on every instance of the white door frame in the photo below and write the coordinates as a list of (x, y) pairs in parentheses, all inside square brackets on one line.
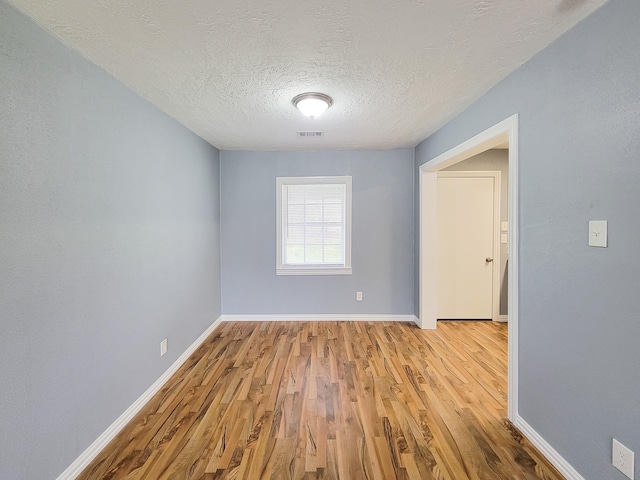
[(495, 285), (507, 130)]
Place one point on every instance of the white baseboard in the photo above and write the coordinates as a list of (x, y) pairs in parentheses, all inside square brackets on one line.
[(503, 318), (330, 317), (96, 447), (547, 450)]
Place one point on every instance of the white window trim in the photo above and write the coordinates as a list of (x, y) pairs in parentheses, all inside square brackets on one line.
[(313, 269)]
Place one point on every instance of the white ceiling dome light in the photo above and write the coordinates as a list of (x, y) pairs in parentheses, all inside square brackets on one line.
[(312, 105)]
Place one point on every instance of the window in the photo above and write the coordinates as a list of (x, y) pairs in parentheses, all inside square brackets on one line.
[(313, 225)]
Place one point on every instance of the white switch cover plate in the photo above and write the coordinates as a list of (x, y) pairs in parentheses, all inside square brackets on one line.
[(622, 458), (358, 296), (163, 347), (504, 226), (598, 233)]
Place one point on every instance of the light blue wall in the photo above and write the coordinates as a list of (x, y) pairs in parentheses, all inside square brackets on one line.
[(382, 253), (579, 106), (109, 242)]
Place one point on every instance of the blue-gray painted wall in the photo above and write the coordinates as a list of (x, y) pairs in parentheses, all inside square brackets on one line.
[(579, 160), (382, 235), (109, 242)]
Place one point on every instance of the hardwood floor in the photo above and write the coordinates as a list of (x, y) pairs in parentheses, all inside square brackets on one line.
[(328, 400)]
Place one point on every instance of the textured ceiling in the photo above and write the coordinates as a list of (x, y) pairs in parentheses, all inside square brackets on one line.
[(228, 69)]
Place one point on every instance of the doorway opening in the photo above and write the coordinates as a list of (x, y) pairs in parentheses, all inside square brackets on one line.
[(503, 134)]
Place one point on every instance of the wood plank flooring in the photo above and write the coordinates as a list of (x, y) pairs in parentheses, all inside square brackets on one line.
[(329, 400)]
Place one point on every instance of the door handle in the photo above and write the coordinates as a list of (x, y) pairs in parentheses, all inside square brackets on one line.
[(488, 260)]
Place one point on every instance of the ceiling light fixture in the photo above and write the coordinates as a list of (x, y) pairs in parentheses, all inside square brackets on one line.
[(312, 105)]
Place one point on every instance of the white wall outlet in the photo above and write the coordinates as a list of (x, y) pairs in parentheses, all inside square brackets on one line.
[(598, 233), (504, 238), (358, 296), (163, 347), (622, 458)]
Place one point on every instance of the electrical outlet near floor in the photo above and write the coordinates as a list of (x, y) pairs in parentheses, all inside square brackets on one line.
[(358, 296), (622, 458), (163, 347)]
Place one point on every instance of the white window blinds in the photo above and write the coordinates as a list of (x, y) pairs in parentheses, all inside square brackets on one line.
[(314, 225)]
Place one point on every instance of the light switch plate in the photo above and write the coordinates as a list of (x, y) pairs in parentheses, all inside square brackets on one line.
[(597, 233), (504, 226)]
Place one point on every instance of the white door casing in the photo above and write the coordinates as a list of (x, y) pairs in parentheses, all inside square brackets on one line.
[(505, 131)]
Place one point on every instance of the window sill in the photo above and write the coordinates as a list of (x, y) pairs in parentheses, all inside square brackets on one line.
[(313, 271)]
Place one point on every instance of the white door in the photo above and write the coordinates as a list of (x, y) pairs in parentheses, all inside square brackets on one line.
[(466, 239)]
